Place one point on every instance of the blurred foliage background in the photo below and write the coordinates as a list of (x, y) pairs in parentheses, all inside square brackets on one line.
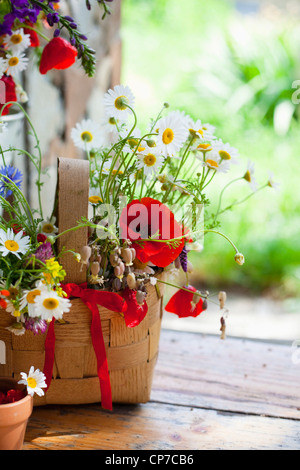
[(232, 64)]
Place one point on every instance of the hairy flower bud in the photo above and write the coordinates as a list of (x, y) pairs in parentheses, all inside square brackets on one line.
[(239, 259)]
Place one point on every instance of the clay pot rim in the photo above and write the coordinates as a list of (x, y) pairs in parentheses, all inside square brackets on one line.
[(21, 402)]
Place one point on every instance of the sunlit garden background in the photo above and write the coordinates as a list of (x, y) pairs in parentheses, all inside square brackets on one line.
[(232, 64)]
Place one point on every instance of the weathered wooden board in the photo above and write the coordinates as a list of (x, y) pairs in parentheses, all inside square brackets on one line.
[(207, 394), (232, 375), (156, 427)]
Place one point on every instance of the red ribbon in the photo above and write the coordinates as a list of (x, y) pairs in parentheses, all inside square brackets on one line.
[(91, 298)]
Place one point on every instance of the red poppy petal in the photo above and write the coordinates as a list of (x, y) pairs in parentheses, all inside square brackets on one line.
[(134, 312), (57, 54), (34, 39), (10, 92), (181, 304)]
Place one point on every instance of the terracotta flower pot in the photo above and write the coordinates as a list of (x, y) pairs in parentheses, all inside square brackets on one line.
[(13, 418)]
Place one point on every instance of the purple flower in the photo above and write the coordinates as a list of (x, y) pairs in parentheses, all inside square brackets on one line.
[(11, 173), (36, 325), (44, 252)]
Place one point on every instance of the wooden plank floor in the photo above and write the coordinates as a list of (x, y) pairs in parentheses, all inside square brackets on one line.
[(207, 394)]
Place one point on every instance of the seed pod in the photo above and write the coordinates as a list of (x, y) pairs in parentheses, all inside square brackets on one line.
[(85, 254), (119, 270), (117, 284), (133, 252), (140, 297), (95, 268), (131, 282), (114, 259), (98, 258), (127, 256), (222, 299)]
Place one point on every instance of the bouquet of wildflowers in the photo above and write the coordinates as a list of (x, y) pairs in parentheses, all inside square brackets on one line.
[(148, 199), (30, 271), (22, 24)]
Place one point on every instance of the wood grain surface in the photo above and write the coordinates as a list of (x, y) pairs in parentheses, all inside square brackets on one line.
[(207, 394)]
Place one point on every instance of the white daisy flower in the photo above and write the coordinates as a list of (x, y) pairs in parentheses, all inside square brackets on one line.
[(28, 298), (49, 304), (3, 66), (172, 133), (199, 129), (272, 183), (216, 164), (48, 227), (17, 42), (249, 176), (14, 243), (34, 381), (17, 329), (116, 101), (225, 151), (16, 62), (87, 135), (149, 161)]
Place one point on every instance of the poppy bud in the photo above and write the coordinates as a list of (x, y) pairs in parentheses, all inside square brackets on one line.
[(114, 259)]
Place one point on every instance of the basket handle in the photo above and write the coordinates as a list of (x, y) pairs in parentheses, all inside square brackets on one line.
[(72, 203)]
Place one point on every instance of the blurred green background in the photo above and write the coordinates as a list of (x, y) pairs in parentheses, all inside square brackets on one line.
[(231, 64)]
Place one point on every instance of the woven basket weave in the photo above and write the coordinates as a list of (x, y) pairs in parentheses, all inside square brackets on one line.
[(131, 352)]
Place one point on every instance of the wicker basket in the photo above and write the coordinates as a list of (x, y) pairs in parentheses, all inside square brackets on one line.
[(131, 352)]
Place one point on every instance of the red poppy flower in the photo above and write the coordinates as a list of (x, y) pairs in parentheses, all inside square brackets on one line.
[(10, 92), (146, 218), (134, 313), (41, 238), (34, 39), (182, 303), (57, 54)]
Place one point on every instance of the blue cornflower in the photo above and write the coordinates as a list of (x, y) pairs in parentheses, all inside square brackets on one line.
[(14, 175)]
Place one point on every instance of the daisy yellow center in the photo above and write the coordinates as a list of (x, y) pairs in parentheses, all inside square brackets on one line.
[(168, 136), (30, 297), (13, 61), (95, 199), (32, 383), (86, 136), (141, 149), (16, 38), (150, 159), (11, 245), (112, 121), (224, 155), (121, 103), (50, 303), (204, 147), (119, 172), (48, 228), (212, 163), (248, 176)]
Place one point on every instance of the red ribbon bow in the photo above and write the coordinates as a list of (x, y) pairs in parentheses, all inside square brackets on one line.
[(91, 298)]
